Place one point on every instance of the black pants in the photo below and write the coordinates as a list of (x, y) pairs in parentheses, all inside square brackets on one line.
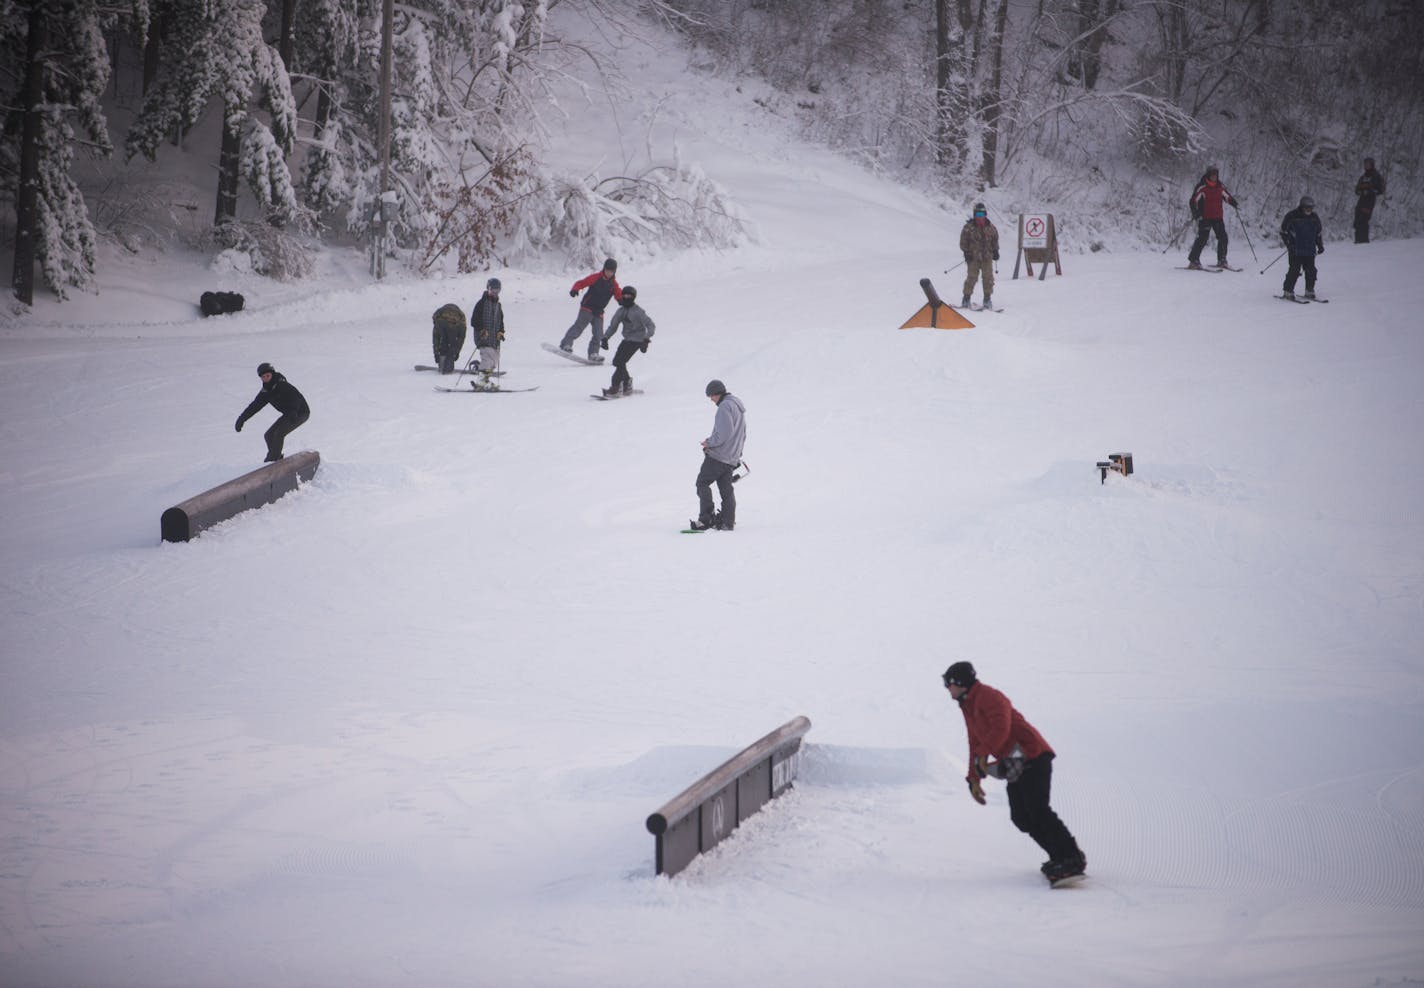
[(1030, 812), (1297, 265), (279, 431), (1362, 224), (1204, 231), (719, 473), (624, 353)]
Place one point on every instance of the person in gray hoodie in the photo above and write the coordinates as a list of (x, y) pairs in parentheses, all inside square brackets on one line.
[(721, 455), (638, 330)]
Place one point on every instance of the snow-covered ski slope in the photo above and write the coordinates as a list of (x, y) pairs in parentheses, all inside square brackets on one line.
[(403, 727)]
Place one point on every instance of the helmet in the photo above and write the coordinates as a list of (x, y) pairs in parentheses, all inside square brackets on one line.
[(1306, 202), (265, 368), (610, 265), (1212, 171), (630, 294), (979, 209), (715, 387), (961, 674), (493, 285)]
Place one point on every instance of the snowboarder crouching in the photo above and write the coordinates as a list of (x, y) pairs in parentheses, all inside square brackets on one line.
[(721, 454), (487, 323), (278, 392), (447, 336), (638, 328), (1022, 758)]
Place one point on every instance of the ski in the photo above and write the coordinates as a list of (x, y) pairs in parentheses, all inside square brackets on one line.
[(458, 370), (484, 391), (1207, 270), (597, 361), (1302, 300), (1224, 267), (625, 394), (984, 308)]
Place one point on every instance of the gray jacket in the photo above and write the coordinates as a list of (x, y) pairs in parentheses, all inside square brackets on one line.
[(729, 431), (637, 325)]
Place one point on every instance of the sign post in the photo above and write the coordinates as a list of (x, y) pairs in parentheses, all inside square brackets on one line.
[(1038, 244)]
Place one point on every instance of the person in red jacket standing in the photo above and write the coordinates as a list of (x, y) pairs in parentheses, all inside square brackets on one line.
[(601, 286), (1005, 745), (1207, 206)]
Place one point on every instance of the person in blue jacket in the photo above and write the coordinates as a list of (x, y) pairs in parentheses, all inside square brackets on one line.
[(1301, 233)]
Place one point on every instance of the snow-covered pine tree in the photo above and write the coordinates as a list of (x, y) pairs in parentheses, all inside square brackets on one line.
[(63, 66), (214, 50)]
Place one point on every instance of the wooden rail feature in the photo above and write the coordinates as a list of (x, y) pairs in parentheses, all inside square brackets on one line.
[(700, 816), (252, 490)]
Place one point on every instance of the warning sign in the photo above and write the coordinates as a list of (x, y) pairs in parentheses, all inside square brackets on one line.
[(1038, 244)]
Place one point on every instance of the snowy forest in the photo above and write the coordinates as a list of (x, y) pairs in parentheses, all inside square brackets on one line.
[(1103, 111)]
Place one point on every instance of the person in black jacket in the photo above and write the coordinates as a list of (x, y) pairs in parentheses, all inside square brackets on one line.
[(281, 395), (1368, 188), (1301, 233), (487, 322)]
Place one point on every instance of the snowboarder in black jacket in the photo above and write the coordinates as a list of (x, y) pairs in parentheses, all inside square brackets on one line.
[(283, 396), (1301, 233)]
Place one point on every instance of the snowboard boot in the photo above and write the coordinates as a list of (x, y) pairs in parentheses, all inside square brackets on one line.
[(1068, 867), (611, 392), (566, 347), (700, 525), (628, 386)]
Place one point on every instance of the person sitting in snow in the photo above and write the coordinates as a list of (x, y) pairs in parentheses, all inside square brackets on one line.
[(447, 336), (979, 241), (638, 329), (487, 323), (278, 392)]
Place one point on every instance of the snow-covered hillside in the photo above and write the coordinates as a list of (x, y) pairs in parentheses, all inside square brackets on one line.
[(404, 726)]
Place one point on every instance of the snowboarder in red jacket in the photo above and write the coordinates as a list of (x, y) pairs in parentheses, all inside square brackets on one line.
[(601, 286), (1207, 202), (1005, 745)]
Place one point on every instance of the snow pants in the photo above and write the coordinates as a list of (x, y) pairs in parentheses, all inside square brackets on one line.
[(1205, 228), (1030, 812), (977, 269), (1297, 265), (1362, 224), (447, 344), (624, 353), (586, 317), (277, 433), (719, 473)]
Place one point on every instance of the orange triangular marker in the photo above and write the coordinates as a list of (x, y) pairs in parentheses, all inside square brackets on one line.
[(935, 314)]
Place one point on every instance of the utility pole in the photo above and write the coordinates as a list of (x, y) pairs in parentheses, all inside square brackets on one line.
[(378, 226)]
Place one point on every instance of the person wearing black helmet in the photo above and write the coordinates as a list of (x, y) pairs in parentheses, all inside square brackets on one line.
[(283, 396), (1301, 233), (979, 242), (601, 286), (1004, 745), (487, 324), (1368, 188), (721, 455), (638, 329)]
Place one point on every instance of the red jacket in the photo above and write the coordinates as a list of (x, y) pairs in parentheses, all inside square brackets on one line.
[(1208, 198), (995, 727)]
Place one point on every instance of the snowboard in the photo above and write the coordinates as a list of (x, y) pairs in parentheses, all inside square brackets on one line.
[(572, 356), (458, 370), (626, 394), (1067, 882), (1302, 301), (483, 391)]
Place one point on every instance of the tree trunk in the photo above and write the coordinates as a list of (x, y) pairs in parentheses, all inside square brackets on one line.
[(944, 124), (27, 194), (992, 98), (228, 178), (284, 43)]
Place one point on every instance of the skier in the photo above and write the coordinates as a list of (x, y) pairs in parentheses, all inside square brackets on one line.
[(979, 241), (638, 330), (447, 336), (1022, 758), (1206, 202), (281, 395), (721, 454), (601, 287), (1301, 233), (1370, 185), (487, 323)]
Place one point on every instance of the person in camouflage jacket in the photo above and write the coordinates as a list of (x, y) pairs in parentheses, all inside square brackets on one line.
[(979, 242)]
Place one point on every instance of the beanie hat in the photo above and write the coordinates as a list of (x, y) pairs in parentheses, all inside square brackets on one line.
[(715, 387), (979, 208), (1306, 202), (960, 674), (265, 369), (610, 265), (493, 285)]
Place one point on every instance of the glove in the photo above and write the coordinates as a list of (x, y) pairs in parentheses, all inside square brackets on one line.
[(644, 347), (501, 336), (996, 255), (604, 344), (975, 790), (573, 293), (978, 767), (237, 426), (966, 257), (1320, 248)]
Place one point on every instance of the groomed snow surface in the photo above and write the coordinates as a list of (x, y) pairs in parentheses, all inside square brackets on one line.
[(404, 726)]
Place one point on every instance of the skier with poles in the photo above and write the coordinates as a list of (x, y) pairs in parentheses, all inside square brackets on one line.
[(1207, 203), (487, 323), (979, 242), (1301, 233)]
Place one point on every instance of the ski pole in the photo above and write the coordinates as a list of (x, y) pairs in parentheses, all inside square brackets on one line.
[(1273, 263), (1247, 232), (948, 270), (1178, 235)]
